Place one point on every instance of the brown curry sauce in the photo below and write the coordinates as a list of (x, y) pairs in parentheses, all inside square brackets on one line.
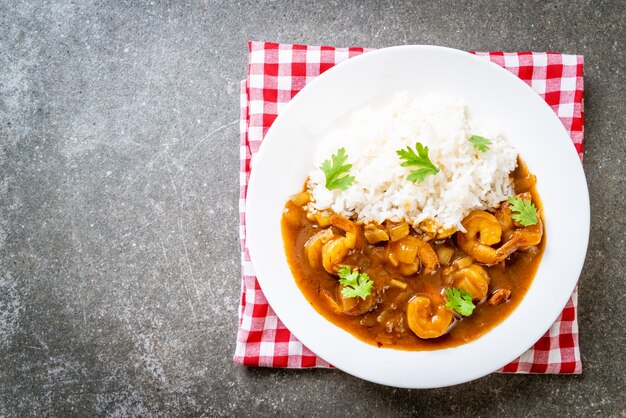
[(515, 273)]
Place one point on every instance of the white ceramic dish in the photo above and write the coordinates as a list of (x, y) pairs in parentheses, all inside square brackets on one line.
[(493, 94)]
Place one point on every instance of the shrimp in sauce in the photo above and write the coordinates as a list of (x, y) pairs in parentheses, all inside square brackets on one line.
[(493, 261)]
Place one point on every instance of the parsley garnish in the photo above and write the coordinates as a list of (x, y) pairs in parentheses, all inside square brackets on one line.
[(480, 143), (460, 301), (420, 160), (526, 211), (355, 284), (337, 172)]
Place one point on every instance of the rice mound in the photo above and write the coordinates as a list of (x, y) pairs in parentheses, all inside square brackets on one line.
[(467, 179)]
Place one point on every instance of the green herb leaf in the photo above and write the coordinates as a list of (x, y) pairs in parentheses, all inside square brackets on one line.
[(480, 143), (526, 210), (355, 284), (337, 172), (420, 160), (460, 301)]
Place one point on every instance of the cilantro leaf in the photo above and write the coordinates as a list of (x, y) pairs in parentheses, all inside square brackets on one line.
[(420, 160), (346, 274), (355, 284), (526, 210), (337, 172), (480, 143), (460, 301)]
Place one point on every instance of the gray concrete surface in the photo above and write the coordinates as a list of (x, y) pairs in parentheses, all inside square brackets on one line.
[(119, 247)]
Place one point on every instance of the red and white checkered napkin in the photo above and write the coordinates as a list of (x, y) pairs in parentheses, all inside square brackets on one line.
[(276, 72)]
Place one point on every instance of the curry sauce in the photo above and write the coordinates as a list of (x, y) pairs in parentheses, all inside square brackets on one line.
[(385, 323)]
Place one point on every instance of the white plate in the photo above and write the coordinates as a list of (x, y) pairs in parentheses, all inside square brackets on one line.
[(492, 94)]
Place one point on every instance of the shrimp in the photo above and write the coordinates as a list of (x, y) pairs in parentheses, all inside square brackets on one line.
[(522, 237), (349, 227), (337, 248), (483, 230), (427, 319), (333, 253), (314, 245), (505, 217), (473, 279)]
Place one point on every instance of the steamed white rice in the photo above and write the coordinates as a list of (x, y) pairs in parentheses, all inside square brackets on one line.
[(467, 179)]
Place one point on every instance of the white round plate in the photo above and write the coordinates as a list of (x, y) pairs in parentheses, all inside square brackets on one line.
[(492, 94)]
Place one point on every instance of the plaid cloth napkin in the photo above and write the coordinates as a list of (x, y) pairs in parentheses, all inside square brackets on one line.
[(276, 73)]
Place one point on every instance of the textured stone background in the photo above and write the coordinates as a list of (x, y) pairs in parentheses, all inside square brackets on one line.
[(119, 247)]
